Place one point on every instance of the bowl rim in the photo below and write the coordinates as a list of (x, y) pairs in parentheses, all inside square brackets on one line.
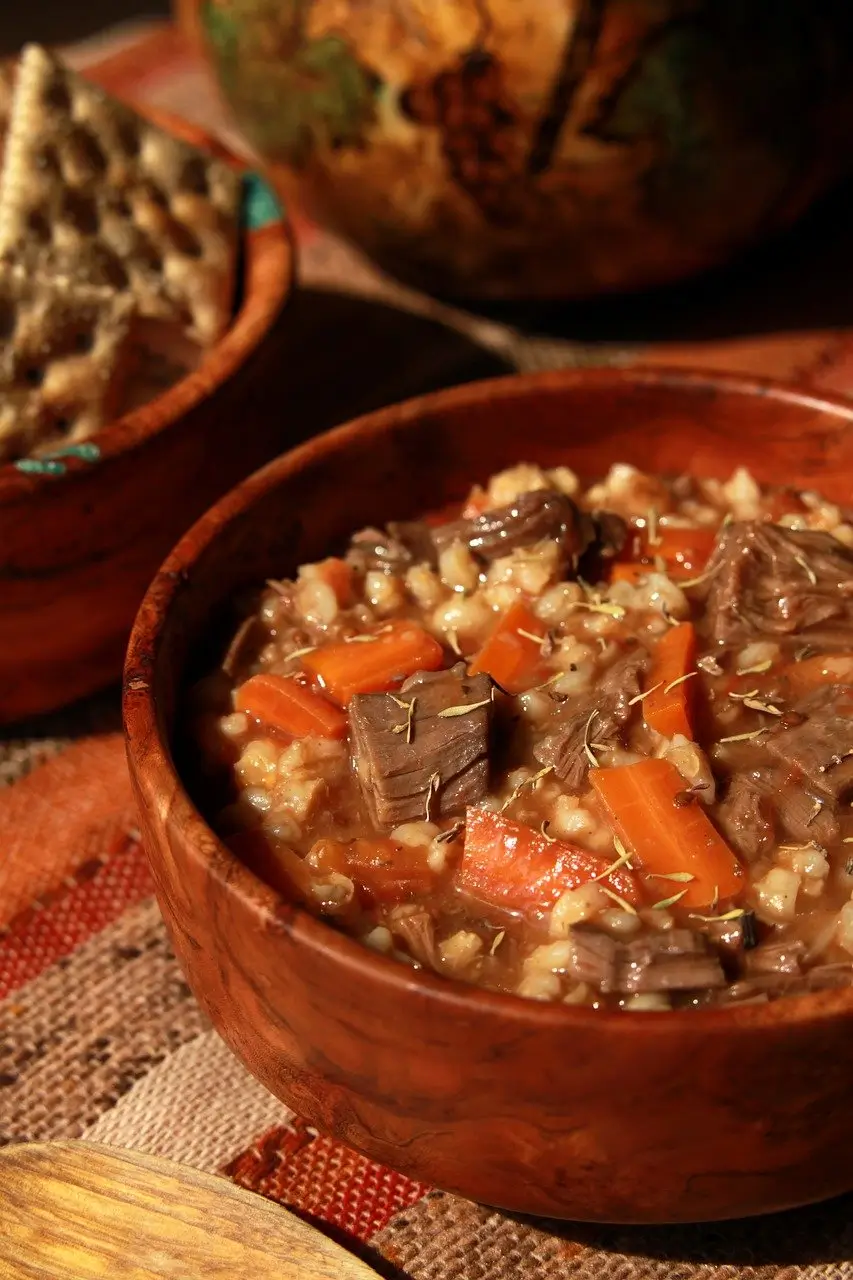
[(220, 361), (155, 774)]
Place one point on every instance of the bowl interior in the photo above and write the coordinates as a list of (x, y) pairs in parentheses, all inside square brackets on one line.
[(425, 454)]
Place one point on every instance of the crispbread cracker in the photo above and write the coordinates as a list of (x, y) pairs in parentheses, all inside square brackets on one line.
[(86, 179), (64, 359), (7, 89)]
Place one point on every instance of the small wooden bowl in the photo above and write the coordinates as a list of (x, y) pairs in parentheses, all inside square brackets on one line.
[(539, 1108), (81, 535)]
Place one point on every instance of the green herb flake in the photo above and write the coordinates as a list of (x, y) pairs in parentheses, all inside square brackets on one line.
[(757, 670), (639, 697), (735, 914), (668, 902), (673, 684), (450, 712), (620, 902)]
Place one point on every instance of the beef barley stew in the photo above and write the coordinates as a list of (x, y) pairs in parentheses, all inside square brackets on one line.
[(584, 745)]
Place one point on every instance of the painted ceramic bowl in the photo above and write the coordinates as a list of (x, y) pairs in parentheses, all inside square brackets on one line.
[(548, 1109), (540, 148), (82, 530)]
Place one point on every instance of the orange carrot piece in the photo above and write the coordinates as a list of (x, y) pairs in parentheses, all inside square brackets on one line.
[(377, 664), (512, 654), (508, 865), (811, 673), (338, 575), (641, 802), (478, 502), (630, 573), (668, 708), (684, 552), (282, 703), (381, 869)]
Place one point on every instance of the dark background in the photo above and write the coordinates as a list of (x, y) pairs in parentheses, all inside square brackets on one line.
[(60, 21)]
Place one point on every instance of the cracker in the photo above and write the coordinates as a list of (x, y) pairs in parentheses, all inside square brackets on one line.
[(87, 181), (64, 359), (7, 89)]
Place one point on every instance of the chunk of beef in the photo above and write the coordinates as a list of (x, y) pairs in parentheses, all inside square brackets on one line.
[(610, 707), (732, 940), (678, 960), (745, 817), (806, 815), (411, 758), (394, 549), (776, 957), (592, 958), (416, 930), (764, 580), (820, 747), (769, 986), (534, 516)]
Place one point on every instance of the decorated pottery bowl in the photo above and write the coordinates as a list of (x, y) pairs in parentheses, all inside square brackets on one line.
[(501, 149)]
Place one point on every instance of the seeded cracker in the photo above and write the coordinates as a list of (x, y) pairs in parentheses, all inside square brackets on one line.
[(64, 357), (90, 189)]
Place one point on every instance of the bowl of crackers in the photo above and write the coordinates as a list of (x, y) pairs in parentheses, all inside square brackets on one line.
[(143, 273)]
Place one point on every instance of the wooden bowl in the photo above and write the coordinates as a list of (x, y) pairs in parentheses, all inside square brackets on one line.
[(539, 1108), (82, 533)]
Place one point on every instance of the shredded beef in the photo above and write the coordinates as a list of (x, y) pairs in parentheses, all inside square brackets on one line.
[(767, 580), (745, 817), (820, 746), (417, 932), (677, 960), (610, 701), (394, 549)]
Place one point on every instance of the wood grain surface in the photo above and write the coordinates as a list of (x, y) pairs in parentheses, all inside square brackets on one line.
[(78, 1211), (550, 1110), (77, 550)]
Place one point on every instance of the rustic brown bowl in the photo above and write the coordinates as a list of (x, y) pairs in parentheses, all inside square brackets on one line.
[(539, 1108), (81, 535)]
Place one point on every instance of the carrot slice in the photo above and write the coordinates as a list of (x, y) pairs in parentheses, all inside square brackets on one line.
[(642, 806), (377, 664), (508, 865), (630, 573), (811, 673), (282, 703), (684, 552), (381, 869), (668, 708), (512, 654), (338, 575)]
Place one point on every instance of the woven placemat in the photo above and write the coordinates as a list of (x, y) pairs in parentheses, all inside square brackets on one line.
[(100, 1036)]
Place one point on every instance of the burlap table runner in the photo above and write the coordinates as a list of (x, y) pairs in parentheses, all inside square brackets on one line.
[(99, 1035)]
